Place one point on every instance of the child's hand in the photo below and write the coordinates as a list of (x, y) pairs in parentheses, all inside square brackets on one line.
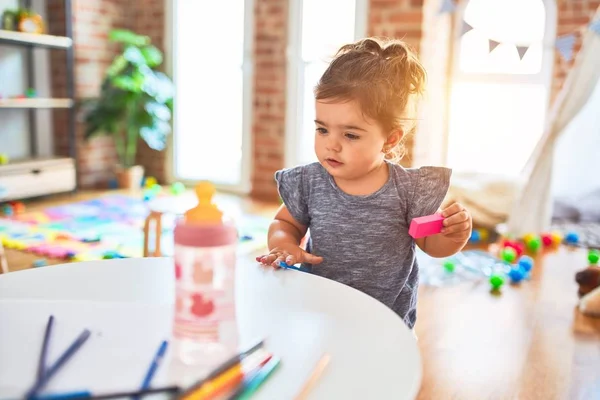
[(457, 223), (290, 254)]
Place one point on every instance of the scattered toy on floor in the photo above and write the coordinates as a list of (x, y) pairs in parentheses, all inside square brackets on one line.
[(149, 181), (3, 158), (40, 262), (496, 280), (449, 266), (177, 188), (590, 303), (593, 256), (588, 279), (572, 238)]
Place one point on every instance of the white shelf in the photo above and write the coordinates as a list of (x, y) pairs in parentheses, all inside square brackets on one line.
[(20, 38), (36, 103)]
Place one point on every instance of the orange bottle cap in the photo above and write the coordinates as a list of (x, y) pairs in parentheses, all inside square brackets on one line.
[(205, 212)]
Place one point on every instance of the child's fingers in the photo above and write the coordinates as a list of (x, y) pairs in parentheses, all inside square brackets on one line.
[(457, 218), (461, 227), (452, 209), (311, 258), (280, 258), (290, 260), (269, 259)]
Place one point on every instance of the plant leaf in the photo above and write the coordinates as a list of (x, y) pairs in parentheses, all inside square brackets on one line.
[(128, 37), (117, 66), (158, 110), (134, 56), (156, 135), (152, 55)]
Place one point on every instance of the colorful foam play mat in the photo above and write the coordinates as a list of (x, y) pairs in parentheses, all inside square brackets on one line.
[(111, 226)]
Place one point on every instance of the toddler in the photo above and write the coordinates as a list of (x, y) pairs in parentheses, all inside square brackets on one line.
[(357, 202)]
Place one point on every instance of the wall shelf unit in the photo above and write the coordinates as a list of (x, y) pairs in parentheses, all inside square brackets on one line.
[(34, 176)]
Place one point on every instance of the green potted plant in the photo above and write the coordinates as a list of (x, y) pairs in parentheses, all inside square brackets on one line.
[(136, 100)]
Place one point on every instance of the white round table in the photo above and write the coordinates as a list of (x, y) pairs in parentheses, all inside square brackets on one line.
[(128, 303)]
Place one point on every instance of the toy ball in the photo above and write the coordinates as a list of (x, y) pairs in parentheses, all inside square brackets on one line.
[(572, 238), (547, 240), (177, 188), (156, 188), (528, 237), (556, 238), (484, 234), (496, 281), (3, 158), (517, 274), (526, 263), (449, 266), (475, 236), (150, 181), (534, 244), (508, 254), (7, 210), (593, 256)]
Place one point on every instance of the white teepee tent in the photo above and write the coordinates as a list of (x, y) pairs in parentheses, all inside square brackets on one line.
[(532, 207)]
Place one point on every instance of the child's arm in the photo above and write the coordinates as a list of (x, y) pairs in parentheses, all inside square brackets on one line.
[(455, 233), (285, 235)]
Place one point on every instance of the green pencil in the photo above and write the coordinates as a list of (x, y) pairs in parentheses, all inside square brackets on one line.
[(248, 389)]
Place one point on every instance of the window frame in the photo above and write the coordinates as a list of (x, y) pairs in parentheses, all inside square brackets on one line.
[(295, 73), (543, 77), (245, 184)]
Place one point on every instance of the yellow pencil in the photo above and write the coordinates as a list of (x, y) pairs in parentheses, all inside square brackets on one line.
[(314, 377)]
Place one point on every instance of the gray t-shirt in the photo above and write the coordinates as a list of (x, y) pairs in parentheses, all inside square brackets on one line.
[(364, 240)]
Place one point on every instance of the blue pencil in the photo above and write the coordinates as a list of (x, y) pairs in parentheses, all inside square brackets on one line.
[(44, 352), (282, 264), (53, 369), (158, 357)]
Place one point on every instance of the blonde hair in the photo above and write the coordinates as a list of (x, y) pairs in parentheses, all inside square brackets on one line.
[(384, 76)]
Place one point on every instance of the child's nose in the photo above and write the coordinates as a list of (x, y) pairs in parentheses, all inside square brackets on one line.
[(333, 144)]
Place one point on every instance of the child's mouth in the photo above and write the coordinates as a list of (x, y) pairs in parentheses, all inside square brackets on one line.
[(332, 162)]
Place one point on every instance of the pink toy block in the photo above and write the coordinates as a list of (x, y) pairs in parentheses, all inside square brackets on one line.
[(426, 226)]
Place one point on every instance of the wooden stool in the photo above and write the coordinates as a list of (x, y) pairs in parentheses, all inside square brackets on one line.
[(3, 262), (153, 220)]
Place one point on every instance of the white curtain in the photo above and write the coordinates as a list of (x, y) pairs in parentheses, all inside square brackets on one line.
[(532, 208)]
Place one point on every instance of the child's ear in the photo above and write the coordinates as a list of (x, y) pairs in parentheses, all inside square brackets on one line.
[(394, 138)]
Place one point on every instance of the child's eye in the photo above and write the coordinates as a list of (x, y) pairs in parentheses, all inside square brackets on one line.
[(352, 136), (322, 131)]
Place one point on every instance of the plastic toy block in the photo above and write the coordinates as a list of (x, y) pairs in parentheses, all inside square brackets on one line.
[(426, 226)]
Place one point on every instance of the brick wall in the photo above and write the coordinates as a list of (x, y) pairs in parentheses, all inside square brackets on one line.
[(149, 19), (572, 14), (400, 19), (268, 125), (92, 21)]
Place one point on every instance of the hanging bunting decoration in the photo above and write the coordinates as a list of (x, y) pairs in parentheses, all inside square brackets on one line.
[(595, 26), (466, 28), (565, 44), (492, 45), (447, 6), (522, 51)]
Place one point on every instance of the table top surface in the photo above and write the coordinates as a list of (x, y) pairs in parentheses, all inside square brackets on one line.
[(128, 306)]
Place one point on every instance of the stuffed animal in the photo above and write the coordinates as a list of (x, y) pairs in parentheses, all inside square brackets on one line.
[(590, 303), (588, 279)]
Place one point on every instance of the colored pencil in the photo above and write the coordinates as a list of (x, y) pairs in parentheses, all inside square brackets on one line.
[(255, 380), (53, 369), (85, 395), (282, 264), (228, 364), (314, 377), (230, 379), (44, 352), (158, 357)]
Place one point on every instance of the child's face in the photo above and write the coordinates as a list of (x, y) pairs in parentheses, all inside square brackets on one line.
[(347, 143)]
